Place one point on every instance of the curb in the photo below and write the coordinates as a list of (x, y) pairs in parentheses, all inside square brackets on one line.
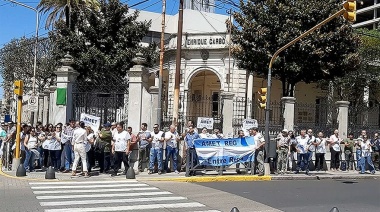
[(22, 178), (336, 177), (212, 179)]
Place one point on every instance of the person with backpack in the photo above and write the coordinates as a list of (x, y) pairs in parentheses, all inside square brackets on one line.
[(31, 153)]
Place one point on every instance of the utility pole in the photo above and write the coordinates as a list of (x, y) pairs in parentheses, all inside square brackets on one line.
[(229, 52), (178, 64), (160, 75)]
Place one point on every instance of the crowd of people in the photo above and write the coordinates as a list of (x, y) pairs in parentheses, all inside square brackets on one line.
[(63, 146)]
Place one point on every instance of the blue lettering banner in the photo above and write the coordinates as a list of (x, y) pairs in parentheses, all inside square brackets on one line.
[(225, 152)]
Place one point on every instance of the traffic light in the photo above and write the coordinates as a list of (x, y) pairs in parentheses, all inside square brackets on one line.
[(19, 85), (350, 13), (262, 98)]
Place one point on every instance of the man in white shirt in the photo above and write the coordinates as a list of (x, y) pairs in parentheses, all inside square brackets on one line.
[(156, 151), (312, 143), (259, 153), (302, 152), (79, 141), (335, 141), (119, 148), (171, 138)]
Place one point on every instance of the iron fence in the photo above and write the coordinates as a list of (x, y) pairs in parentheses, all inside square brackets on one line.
[(192, 107), (241, 106), (318, 117), (364, 118), (107, 99)]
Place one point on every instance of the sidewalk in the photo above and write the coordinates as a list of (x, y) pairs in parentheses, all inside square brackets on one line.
[(209, 176)]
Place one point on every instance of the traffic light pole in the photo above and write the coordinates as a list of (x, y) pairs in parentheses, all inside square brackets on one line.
[(275, 55)]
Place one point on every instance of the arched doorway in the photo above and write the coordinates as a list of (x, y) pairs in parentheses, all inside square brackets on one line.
[(203, 97)]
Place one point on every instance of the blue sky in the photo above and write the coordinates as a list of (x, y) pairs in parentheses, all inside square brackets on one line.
[(17, 21)]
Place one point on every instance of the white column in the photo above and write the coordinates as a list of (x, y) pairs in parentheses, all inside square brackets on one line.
[(66, 76), (51, 104), (288, 114), (342, 117), (249, 99)]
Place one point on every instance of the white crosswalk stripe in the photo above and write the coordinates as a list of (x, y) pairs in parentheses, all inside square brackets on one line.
[(113, 195)]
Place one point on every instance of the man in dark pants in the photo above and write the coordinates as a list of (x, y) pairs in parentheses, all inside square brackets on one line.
[(143, 139), (105, 138), (191, 154), (119, 148), (375, 143)]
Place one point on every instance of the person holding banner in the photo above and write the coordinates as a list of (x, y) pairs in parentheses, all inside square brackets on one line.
[(259, 153), (156, 151), (191, 154), (119, 148), (171, 138)]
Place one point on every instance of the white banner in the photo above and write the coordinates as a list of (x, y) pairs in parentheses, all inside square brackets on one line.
[(205, 122), (250, 123), (91, 121)]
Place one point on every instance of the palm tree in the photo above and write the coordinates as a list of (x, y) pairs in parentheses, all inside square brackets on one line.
[(62, 8)]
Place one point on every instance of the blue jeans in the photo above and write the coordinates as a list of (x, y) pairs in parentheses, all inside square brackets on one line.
[(303, 158), (370, 164), (155, 153), (69, 155), (29, 160), (359, 159), (171, 153)]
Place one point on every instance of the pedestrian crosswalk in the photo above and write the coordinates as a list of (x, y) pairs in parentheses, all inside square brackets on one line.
[(113, 195)]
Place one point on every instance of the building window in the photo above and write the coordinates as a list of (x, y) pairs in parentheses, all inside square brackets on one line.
[(215, 104)]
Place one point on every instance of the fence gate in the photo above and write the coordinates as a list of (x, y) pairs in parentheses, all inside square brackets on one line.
[(106, 98), (191, 107)]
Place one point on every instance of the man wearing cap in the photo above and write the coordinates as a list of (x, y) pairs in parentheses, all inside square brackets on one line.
[(105, 139), (283, 148)]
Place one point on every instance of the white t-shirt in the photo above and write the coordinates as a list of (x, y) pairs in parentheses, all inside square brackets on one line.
[(55, 144), (171, 139), (321, 148), (121, 141), (259, 139), (311, 145), (302, 144), (32, 142), (156, 143), (88, 145), (366, 148), (335, 142), (80, 136)]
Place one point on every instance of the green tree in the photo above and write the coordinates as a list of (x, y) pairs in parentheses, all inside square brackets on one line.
[(17, 60), (104, 41), (264, 26), (58, 9)]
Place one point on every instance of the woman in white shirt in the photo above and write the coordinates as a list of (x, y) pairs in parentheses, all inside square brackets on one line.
[(320, 152), (365, 145), (55, 148), (31, 153), (335, 141)]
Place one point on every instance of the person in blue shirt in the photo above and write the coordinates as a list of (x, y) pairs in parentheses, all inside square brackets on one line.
[(191, 154)]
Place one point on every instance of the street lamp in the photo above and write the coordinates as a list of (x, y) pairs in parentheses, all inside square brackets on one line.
[(36, 43)]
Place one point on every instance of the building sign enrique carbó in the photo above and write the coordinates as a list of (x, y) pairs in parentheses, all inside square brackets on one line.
[(205, 41)]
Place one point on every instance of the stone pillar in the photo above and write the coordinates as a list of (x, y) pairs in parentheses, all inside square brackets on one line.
[(153, 90), (288, 112), (342, 117), (66, 76), (51, 105), (227, 98), (135, 101)]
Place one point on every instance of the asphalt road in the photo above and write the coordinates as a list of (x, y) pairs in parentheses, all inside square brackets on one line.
[(308, 195)]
